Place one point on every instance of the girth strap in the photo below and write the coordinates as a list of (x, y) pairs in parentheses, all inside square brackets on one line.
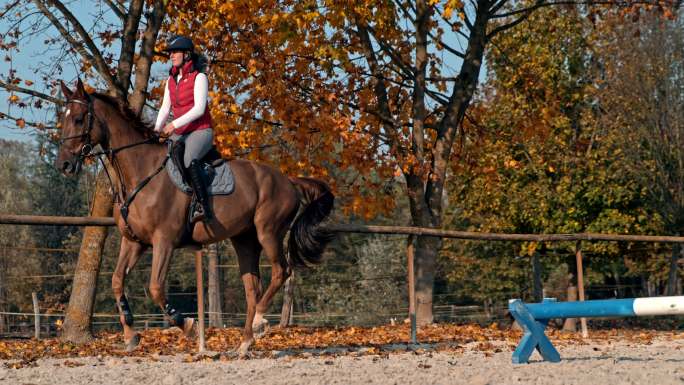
[(129, 200)]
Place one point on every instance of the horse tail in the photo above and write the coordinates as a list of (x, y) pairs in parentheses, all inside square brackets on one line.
[(307, 239)]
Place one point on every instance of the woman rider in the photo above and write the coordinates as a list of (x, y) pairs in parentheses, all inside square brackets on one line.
[(185, 95)]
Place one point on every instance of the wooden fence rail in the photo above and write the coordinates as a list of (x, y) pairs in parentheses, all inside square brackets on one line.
[(396, 230)]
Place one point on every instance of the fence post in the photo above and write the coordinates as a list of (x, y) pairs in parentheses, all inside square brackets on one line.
[(213, 286), (200, 298), (36, 315), (580, 284), (570, 324), (537, 287), (288, 302), (411, 287)]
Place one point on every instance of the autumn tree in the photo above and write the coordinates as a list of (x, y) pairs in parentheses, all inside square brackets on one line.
[(112, 47), (537, 159), (373, 88), (18, 199), (642, 104)]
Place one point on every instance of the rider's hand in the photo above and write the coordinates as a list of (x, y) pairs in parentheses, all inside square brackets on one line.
[(168, 129), (162, 137)]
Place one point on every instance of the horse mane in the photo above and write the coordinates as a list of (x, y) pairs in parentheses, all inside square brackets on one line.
[(145, 128)]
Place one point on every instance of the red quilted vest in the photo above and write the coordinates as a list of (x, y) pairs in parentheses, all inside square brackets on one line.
[(183, 99)]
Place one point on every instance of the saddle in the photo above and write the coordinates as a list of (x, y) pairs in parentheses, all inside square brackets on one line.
[(217, 173)]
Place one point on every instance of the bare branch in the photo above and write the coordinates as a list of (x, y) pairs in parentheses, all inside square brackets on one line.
[(544, 3), (94, 56), (383, 112), (32, 124), (146, 56), (454, 27), (254, 118), (128, 39), (442, 78), (438, 97), (405, 11), (385, 78), (512, 24), (118, 9), (63, 31), (15, 88), (466, 20), (9, 7), (439, 41), (497, 6), (448, 47), (396, 58)]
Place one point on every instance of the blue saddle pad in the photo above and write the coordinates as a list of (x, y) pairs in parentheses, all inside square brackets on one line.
[(220, 180)]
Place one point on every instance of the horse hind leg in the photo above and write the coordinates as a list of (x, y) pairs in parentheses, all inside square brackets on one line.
[(247, 248), (273, 248), (129, 254)]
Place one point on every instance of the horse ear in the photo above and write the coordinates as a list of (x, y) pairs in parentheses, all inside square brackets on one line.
[(65, 90), (80, 90)]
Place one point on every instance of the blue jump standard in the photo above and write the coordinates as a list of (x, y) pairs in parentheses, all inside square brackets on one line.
[(534, 317)]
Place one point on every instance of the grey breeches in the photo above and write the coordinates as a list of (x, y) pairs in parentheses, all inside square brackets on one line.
[(197, 144)]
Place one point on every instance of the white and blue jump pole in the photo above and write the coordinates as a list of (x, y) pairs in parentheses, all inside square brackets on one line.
[(534, 317)]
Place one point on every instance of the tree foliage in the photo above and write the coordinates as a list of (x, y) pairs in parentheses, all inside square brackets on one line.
[(539, 158)]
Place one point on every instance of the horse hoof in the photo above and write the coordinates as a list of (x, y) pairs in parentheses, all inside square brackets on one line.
[(189, 327), (260, 329), (133, 343), (243, 350)]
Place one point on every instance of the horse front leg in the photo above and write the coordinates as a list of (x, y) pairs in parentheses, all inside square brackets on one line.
[(129, 254), (161, 256)]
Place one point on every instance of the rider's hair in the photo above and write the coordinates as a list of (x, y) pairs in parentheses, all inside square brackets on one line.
[(199, 61)]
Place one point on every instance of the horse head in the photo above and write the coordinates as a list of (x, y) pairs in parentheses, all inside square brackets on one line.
[(81, 129)]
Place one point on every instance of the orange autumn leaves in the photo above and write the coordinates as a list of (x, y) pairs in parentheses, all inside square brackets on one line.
[(292, 84), (288, 87), (302, 342)]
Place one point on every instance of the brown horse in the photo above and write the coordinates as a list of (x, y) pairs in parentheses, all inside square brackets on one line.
[(255, 216)]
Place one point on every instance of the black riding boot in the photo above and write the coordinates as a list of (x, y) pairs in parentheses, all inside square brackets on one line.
[(177, 153), (200, 189)]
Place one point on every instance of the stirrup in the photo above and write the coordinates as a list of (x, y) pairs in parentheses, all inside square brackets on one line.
[(197, 214)]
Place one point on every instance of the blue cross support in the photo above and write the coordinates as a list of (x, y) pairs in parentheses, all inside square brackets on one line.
[(533, 336)]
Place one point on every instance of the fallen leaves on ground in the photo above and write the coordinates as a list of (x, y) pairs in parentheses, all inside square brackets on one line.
[(301, 341)]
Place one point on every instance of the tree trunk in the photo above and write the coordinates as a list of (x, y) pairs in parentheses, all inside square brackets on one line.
[(288, 302), (77, 324), (425, 250), (674, 267), (3, 307), (214, 286), (425, 262)]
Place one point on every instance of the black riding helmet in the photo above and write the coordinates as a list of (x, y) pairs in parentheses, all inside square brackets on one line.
[(179, 43)]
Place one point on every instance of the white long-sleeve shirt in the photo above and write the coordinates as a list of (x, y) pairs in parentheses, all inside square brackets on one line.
[(200, 94)]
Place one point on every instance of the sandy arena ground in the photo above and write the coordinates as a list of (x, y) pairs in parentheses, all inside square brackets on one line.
[(660, 362)]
